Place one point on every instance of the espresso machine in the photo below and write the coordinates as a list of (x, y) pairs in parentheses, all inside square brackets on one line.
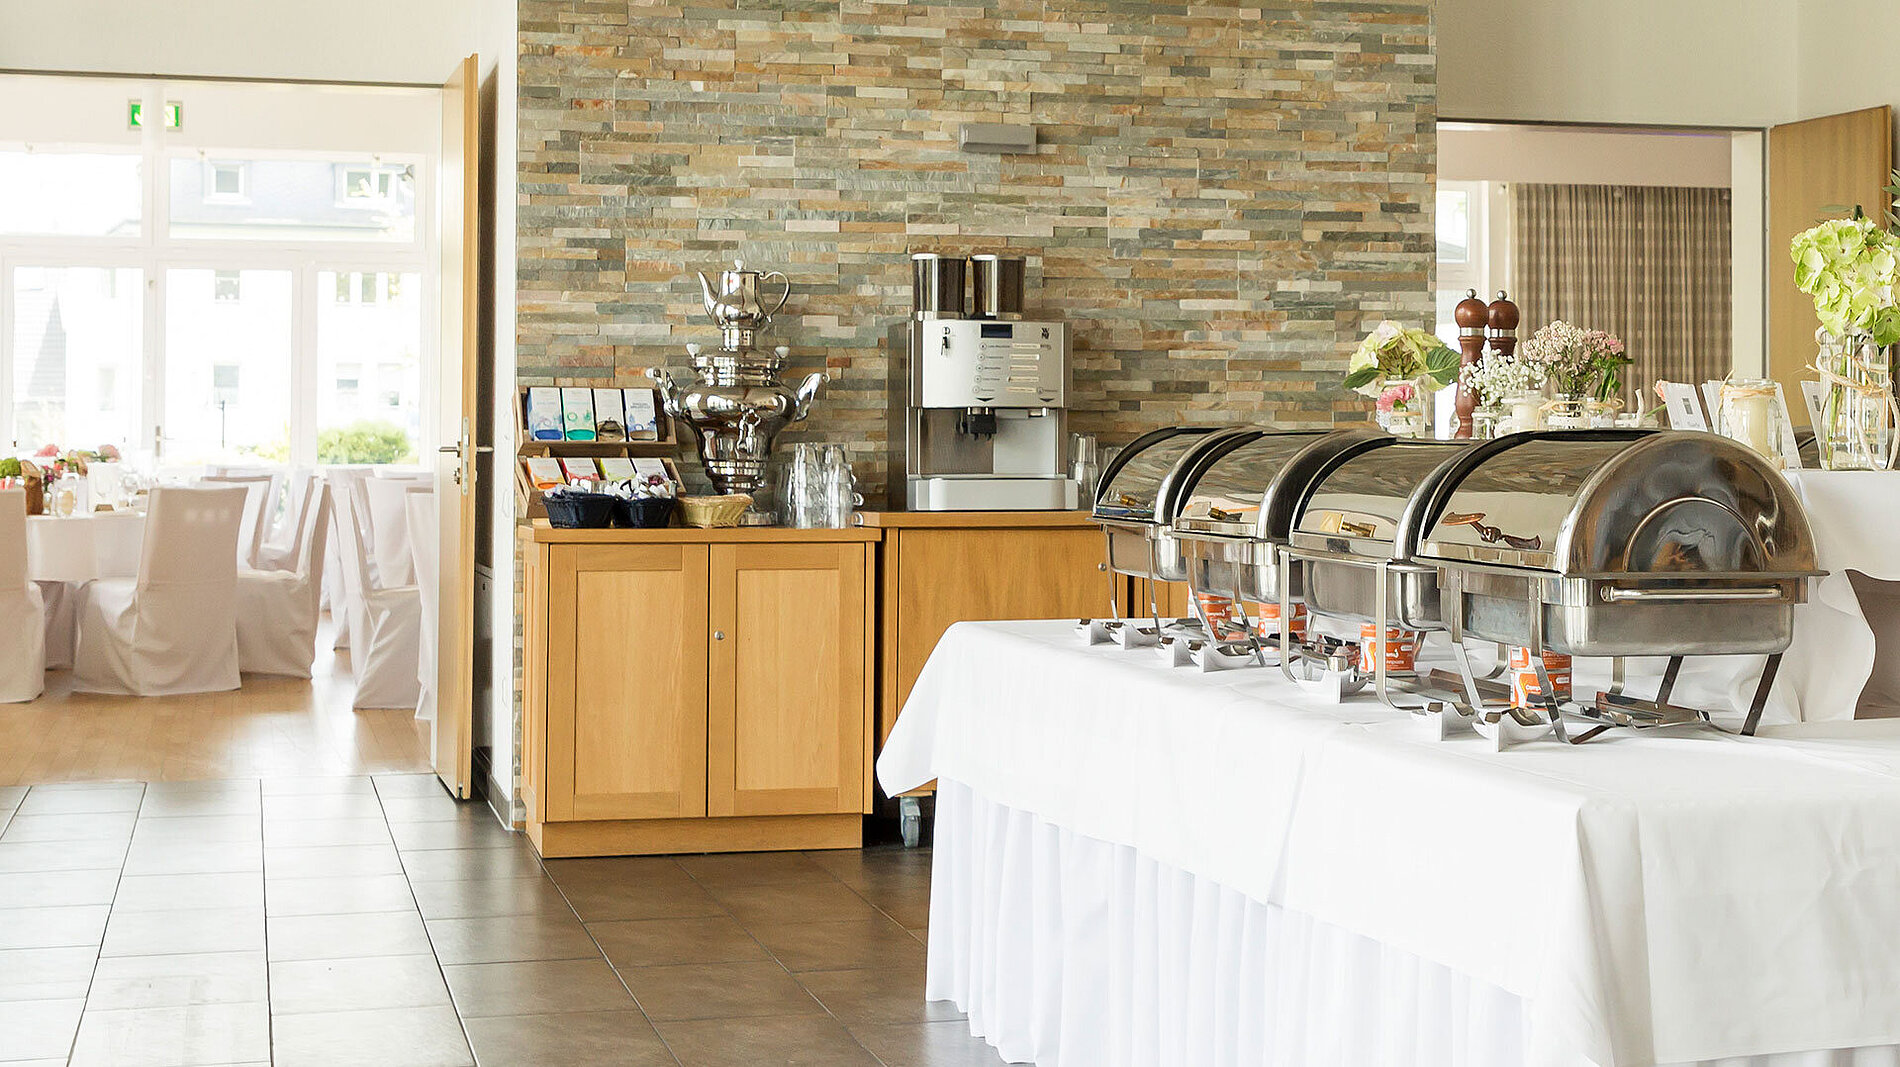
[(980, 396)]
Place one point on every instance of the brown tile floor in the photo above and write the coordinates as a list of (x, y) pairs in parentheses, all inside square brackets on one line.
[(360, 920)]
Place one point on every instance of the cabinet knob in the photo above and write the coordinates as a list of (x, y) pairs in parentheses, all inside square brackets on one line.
[(719, 635), (1101, 566)]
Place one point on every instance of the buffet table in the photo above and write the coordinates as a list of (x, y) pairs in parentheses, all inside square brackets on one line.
[(1140, 864)]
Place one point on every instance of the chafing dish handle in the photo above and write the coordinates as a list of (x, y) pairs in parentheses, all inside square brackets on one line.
[(1617, 596)]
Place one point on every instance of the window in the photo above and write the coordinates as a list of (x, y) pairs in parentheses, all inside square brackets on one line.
[(225, 183), (75, 352), (227, 366), (69, 194), (193, 304)]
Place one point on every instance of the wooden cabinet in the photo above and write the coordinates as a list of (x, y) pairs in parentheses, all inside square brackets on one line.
[(948, 567), (696, 690), (788, 665)]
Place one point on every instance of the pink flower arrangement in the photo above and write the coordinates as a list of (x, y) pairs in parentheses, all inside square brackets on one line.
[(1396, 398), (47, 450)]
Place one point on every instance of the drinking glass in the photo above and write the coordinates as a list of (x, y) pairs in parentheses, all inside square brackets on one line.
[(837, 489), (1085, 464)]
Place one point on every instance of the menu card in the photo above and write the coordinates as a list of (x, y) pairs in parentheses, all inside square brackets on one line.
[(609, 416), (577, 413), (544, 413), (642, 415)]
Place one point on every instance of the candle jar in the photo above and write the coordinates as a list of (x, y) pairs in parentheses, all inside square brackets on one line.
[(1748, 415)]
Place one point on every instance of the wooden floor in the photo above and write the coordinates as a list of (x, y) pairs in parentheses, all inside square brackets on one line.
[(272, 727)]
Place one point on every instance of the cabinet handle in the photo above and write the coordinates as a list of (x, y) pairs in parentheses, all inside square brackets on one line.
[(719, 635)]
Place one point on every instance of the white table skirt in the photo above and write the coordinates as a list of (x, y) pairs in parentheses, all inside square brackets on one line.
[(82, 548), (1648, 898), (1067, 951)]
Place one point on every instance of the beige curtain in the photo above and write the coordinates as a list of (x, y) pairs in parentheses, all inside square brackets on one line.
[(1647, 263)]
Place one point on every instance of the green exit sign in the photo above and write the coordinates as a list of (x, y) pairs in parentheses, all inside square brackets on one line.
[(135, 114)]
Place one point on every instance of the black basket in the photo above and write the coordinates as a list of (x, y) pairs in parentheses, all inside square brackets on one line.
[(580, 511), (646, 513)]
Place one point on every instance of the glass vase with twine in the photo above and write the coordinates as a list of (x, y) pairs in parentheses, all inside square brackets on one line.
[(1859, 417)]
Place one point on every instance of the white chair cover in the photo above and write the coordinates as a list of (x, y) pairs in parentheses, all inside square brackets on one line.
[(277, 611), (279, 550), (340, 479), (22, 616), (259, 501), (389, 526), (424, 548), (173, 629), (385, 623)]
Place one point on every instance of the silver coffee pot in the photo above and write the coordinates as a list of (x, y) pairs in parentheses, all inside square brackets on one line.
[(736, 306)]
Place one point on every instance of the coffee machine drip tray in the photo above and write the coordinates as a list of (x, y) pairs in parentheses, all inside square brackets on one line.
[(987, 492)]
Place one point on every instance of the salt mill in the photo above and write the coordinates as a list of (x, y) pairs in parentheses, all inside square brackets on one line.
[(1501, 325), (1472, 316)]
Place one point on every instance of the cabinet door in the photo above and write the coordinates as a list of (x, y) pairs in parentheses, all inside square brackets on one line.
[(936, 578), (788, 661), (626, 703)]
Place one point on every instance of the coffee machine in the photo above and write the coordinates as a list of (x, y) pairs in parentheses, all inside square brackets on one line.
[(980, 396)]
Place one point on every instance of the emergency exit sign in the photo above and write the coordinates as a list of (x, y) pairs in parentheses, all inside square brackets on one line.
[(135, 114)]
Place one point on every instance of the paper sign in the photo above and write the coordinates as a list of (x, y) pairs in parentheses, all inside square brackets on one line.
[(1712, 403), (1814, 394), (1784, 431), (1682, 408)]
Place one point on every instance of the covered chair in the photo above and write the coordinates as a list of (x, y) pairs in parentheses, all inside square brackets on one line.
[(279, 550), (424, 548), (385, 621), (172, 629), (277, 610), (259, 502), (22, 616)]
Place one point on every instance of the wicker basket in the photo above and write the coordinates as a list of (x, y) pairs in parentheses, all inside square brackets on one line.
[(579, 511), (704, 511)]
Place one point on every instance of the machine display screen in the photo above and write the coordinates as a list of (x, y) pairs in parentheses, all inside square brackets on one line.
[(997, 329)]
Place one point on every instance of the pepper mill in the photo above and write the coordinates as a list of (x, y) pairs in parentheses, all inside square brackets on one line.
[(1501, 325), (1472, 316)]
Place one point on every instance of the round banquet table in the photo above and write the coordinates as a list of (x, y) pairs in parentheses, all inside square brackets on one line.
[(103, 544)]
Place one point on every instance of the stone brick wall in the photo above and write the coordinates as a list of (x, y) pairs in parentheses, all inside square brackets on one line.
[(1225, 198)]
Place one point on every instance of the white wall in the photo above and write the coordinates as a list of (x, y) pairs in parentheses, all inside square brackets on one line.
[(1835, 72), (1573, 156), (1680, 62), (335, 40)]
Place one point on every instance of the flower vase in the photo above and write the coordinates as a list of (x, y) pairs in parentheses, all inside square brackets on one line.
[(1484, 422), (1858, 415), (1570, 411)]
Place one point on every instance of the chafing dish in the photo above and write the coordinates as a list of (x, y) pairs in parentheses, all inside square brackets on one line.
[(1615, 543), (1349, 533), (1137, 498), (1239, 506)]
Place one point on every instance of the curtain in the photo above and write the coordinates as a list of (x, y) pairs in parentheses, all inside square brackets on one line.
[(1649, 264)]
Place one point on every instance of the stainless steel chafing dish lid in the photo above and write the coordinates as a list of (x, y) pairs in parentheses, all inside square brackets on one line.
[(1140, 485), (1357, 505), (1616, 503), (1251, 487)]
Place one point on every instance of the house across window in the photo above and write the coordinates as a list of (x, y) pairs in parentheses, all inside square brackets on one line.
[(226, 183), (348, 377), (225, 286), (365, 186)]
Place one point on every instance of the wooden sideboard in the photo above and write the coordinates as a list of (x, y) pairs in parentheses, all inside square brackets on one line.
[(697, 690), (724, 690), (944, 567)]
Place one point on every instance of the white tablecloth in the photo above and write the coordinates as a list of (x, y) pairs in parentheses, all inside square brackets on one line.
[(1647, 899), (102, 544)]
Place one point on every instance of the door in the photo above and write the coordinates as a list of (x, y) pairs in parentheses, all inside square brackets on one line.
[(626, 682), (1817, 169), (789, 656), (456, 391)]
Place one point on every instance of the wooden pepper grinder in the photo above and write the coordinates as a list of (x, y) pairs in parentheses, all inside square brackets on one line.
[(1501, 325), (1471, 316)]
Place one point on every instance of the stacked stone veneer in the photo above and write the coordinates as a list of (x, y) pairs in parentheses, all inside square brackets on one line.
[(1224, 198)]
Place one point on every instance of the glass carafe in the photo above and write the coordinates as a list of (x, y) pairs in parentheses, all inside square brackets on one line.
[(1857, 416), (1085, 464)]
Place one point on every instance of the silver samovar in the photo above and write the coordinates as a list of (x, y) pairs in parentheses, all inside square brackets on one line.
[(738, 405)]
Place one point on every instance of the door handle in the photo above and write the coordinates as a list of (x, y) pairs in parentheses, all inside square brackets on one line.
[(457, 449)]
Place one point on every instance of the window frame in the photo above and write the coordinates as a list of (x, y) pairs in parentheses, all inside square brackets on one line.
[(155, 252)]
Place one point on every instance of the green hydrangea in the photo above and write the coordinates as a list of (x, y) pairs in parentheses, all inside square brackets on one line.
[(1850, 267)]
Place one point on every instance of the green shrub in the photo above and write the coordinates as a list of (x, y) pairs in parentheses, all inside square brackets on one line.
[(365, 441)]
